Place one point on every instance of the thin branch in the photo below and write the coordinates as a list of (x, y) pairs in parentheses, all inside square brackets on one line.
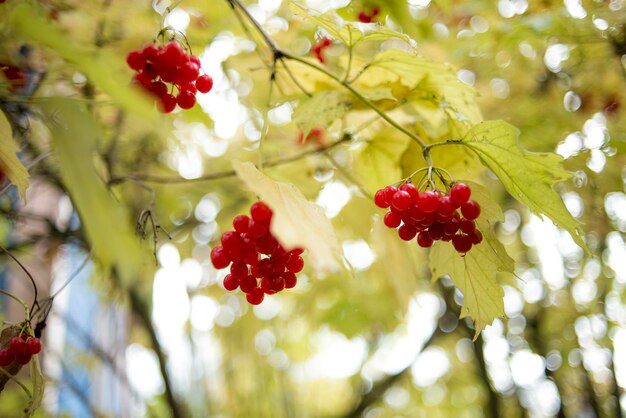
[(32, 280)]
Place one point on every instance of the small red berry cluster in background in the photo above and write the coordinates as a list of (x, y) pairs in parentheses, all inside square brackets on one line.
[(20, 350), (319, 47), (159, 66), (369, 17), (431, 215), (259, 264), (316, 134)]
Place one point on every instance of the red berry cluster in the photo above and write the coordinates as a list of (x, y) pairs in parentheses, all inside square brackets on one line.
[(259, 264), (319, 48), (369, 17), (316, 134), (20, 350), (157, 66), (431, 215)]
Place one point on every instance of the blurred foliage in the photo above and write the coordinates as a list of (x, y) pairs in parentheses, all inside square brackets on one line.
[(380, 337)]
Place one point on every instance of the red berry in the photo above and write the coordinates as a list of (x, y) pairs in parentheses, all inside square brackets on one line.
[(239, 270), (401, 200), (188, 72), (392, 220), (247, 284), (240, 223), (135, 60), (277, 284), (23, 357), (296, 251), (186, 99), (267, 244), (424, 240), (364, 17), (295, 264), (266, 267), (195, 60), (231, 240), (150, 52), (290, 280), (256, 296), (6, 357), (266, 286), (476, 237), (451, 227), (158, 88), (33, 345), (172, 52), (257, 229), (219, 257), (462, 243), (412, 190), (470, 210), (467, 226), (428, 201), (17, 345), (460, 193), (436, 231), (167, 103), (380, 199), (204, 83), (407, 232), (190, 87), (446, 206), (231, 282), (261, 212)]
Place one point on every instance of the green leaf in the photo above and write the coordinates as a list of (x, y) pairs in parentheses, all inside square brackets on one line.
[(349, 33), (377, 161), (474, 275), (321, 109), (296, 222), (38, 387), (106, 70), (74, 132), (10, 164), (528, 177)]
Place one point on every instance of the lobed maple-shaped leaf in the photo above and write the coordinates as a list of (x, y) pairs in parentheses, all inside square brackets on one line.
[(296, 221), (527, 176), (10, 164)]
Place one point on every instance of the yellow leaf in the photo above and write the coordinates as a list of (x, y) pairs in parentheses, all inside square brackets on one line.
[(296, 222), (10, 164)]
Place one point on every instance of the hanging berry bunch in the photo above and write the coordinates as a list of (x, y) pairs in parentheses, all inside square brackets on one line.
[(170, 74), (259, 264), (319, 47), (19, 350), (368, 17), (432, 215)]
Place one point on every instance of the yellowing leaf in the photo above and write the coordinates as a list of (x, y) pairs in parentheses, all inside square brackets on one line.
[(105, 220), (322, 109), (10, 164), (528, 177), (104, 69), (377, 162), (296, 222), (474, 275)]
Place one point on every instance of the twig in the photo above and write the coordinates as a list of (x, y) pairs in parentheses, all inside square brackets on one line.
[(32, 280)]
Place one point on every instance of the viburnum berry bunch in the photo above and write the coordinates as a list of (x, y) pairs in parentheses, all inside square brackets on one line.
[(259, 264), (432, 215), (319, 47), (170, 74), (20, 350), (365, 17)]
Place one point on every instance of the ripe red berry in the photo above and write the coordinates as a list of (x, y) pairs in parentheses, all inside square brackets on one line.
[(239, 270), (247, 284), (392, 220), (204, 83), (407, 232), (23, 357), (196, 60), (231, 240), (266, 267), (295, 264), (231, 282), (257, 229), (167, 103), (255, 296), (158, 88), (401, 200), (290, 280), (451, 227), (424, 240), (436, 231), (6, 357), (428, 201), (460, 193), (186, 99), (17, 345), (172, 52), (476, 237), (188, 72), (470, 210), (277, 284), (150, 52), (411, 190), (462, 243), (240, 223), (33, 345), (380, 199), (446, 206), (190, 87), (219, 257), (467, 226), (135, 60), (260, 212)]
